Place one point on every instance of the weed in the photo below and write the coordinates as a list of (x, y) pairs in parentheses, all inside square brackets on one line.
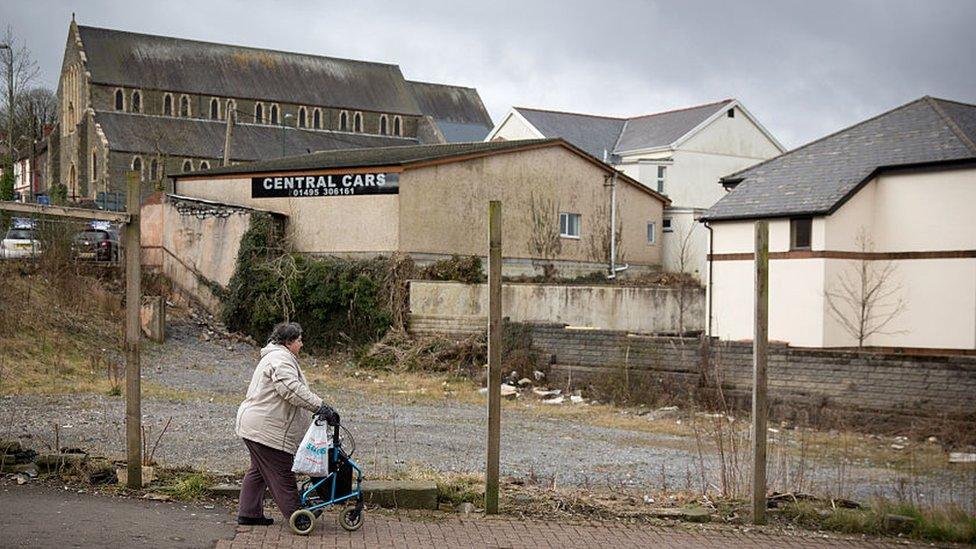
[(190, 487)]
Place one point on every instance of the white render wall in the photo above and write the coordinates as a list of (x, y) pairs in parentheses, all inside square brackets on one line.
[(918, 212), (514, 128)]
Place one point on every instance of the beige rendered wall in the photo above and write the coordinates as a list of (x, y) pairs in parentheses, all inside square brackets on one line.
[(444, 208), (331, 224), (646, 310)]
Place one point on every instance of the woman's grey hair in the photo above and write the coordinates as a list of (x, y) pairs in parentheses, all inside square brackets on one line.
[(286, 332)]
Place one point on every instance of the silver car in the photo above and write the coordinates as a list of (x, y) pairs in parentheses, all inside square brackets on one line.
[(20, 243)]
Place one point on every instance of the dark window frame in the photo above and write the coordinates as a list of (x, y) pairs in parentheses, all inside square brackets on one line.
[(801, 228)]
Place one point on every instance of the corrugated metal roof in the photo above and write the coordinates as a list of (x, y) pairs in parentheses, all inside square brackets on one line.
[(205, 138), (159, 62), (819, 176)]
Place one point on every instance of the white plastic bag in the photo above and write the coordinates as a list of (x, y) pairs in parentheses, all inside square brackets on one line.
[(312, 457)]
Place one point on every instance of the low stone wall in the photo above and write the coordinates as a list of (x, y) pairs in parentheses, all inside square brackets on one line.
[(860, 385), (457, 308)]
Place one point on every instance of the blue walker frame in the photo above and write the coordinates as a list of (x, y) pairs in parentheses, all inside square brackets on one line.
[(309, 487)]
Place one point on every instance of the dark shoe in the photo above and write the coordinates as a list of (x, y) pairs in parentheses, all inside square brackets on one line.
[(255, 521)]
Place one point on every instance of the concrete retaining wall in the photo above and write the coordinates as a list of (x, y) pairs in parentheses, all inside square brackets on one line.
[(453, 307)]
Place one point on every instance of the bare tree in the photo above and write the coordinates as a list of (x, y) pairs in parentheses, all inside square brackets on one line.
[(685, 279), (544, 239), (599, 234), (865, 299), (18, 69)]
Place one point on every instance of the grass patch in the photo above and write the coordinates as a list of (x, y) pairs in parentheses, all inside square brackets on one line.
[(188, 486), (944, 524)]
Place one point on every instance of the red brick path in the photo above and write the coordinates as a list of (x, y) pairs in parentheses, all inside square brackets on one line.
[(470, 533)]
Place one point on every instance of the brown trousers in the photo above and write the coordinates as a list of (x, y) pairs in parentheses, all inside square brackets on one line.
[(272, 469)]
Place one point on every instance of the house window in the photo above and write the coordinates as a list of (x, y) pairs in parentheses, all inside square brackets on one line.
[(184, 106), (94, 165), (136, 101), (258, 113), (383, 124), (397, 126), (357, 122), (302, 117), (317, 119), (187, 166), (569, 225), (651, 232), (273, 114), (204, 165), (137, 166), (214, 109), (730, 113), (343, 121), (661, 171), (119, 100), (666, 225), (168, 105), (801, 231)]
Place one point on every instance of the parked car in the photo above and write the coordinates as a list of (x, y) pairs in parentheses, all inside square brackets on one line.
[(98, 242), (20, 241)]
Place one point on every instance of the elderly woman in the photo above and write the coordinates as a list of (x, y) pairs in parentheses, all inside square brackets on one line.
[(272, 421)]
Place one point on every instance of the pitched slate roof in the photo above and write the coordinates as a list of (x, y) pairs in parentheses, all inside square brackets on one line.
[(159, 62), (819, 177), (457, 111), (595, 134), (405, 156), (193, 137)]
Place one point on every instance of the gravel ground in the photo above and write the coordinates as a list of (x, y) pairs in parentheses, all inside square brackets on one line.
[(446, 436)]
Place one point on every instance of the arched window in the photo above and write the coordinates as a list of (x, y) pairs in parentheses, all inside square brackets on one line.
[(119, 100), (343, 121), (73, 180), (187, 166), (302, 117), (185, 106), (137, 167), (258, 113), (357, 122), (214, 109), (136, 101), (383, 124), (154, 170), (231, 108), (94, 165), (71, 116), (397, 126), (168, 105), (204, 165), (317, 119), (273, 114)]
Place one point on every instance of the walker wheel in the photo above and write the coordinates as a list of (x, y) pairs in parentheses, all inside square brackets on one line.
[(351, 518), (302, 522)]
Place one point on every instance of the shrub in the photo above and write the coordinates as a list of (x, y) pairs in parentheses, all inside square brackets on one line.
[(465, 269)]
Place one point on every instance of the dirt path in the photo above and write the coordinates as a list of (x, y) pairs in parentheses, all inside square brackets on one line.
[(202, 382)]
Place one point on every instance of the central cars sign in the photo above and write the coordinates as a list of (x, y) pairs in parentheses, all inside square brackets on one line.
[(340, 184)]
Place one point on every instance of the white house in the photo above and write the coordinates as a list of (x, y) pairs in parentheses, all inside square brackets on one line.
[(679, 153), (881, 214)]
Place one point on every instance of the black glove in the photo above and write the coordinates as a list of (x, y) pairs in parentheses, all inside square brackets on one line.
[(328, 414)]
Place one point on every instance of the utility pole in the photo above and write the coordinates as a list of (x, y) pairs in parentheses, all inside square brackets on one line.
[(760, 343), (133, 334), (10, 104), (494, 353), (284, 122)]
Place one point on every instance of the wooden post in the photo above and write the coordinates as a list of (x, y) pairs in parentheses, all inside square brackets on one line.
[(759, 347), (133, 334), (494, 353)]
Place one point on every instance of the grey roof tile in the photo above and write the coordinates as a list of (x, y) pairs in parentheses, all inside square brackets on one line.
[(593, 134), (819, 176), (165, 63), (193, 137), (663, 129)]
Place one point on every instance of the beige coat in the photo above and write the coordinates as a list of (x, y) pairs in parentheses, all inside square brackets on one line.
[(278, 407)]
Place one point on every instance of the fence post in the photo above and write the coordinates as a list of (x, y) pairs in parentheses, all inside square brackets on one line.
[(494, 353), (760, 341), (133, 333)]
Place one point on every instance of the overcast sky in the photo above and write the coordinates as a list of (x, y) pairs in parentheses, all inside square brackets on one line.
[(804, 68)]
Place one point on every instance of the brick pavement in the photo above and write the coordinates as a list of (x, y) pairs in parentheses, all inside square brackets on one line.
[(387, 531)]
